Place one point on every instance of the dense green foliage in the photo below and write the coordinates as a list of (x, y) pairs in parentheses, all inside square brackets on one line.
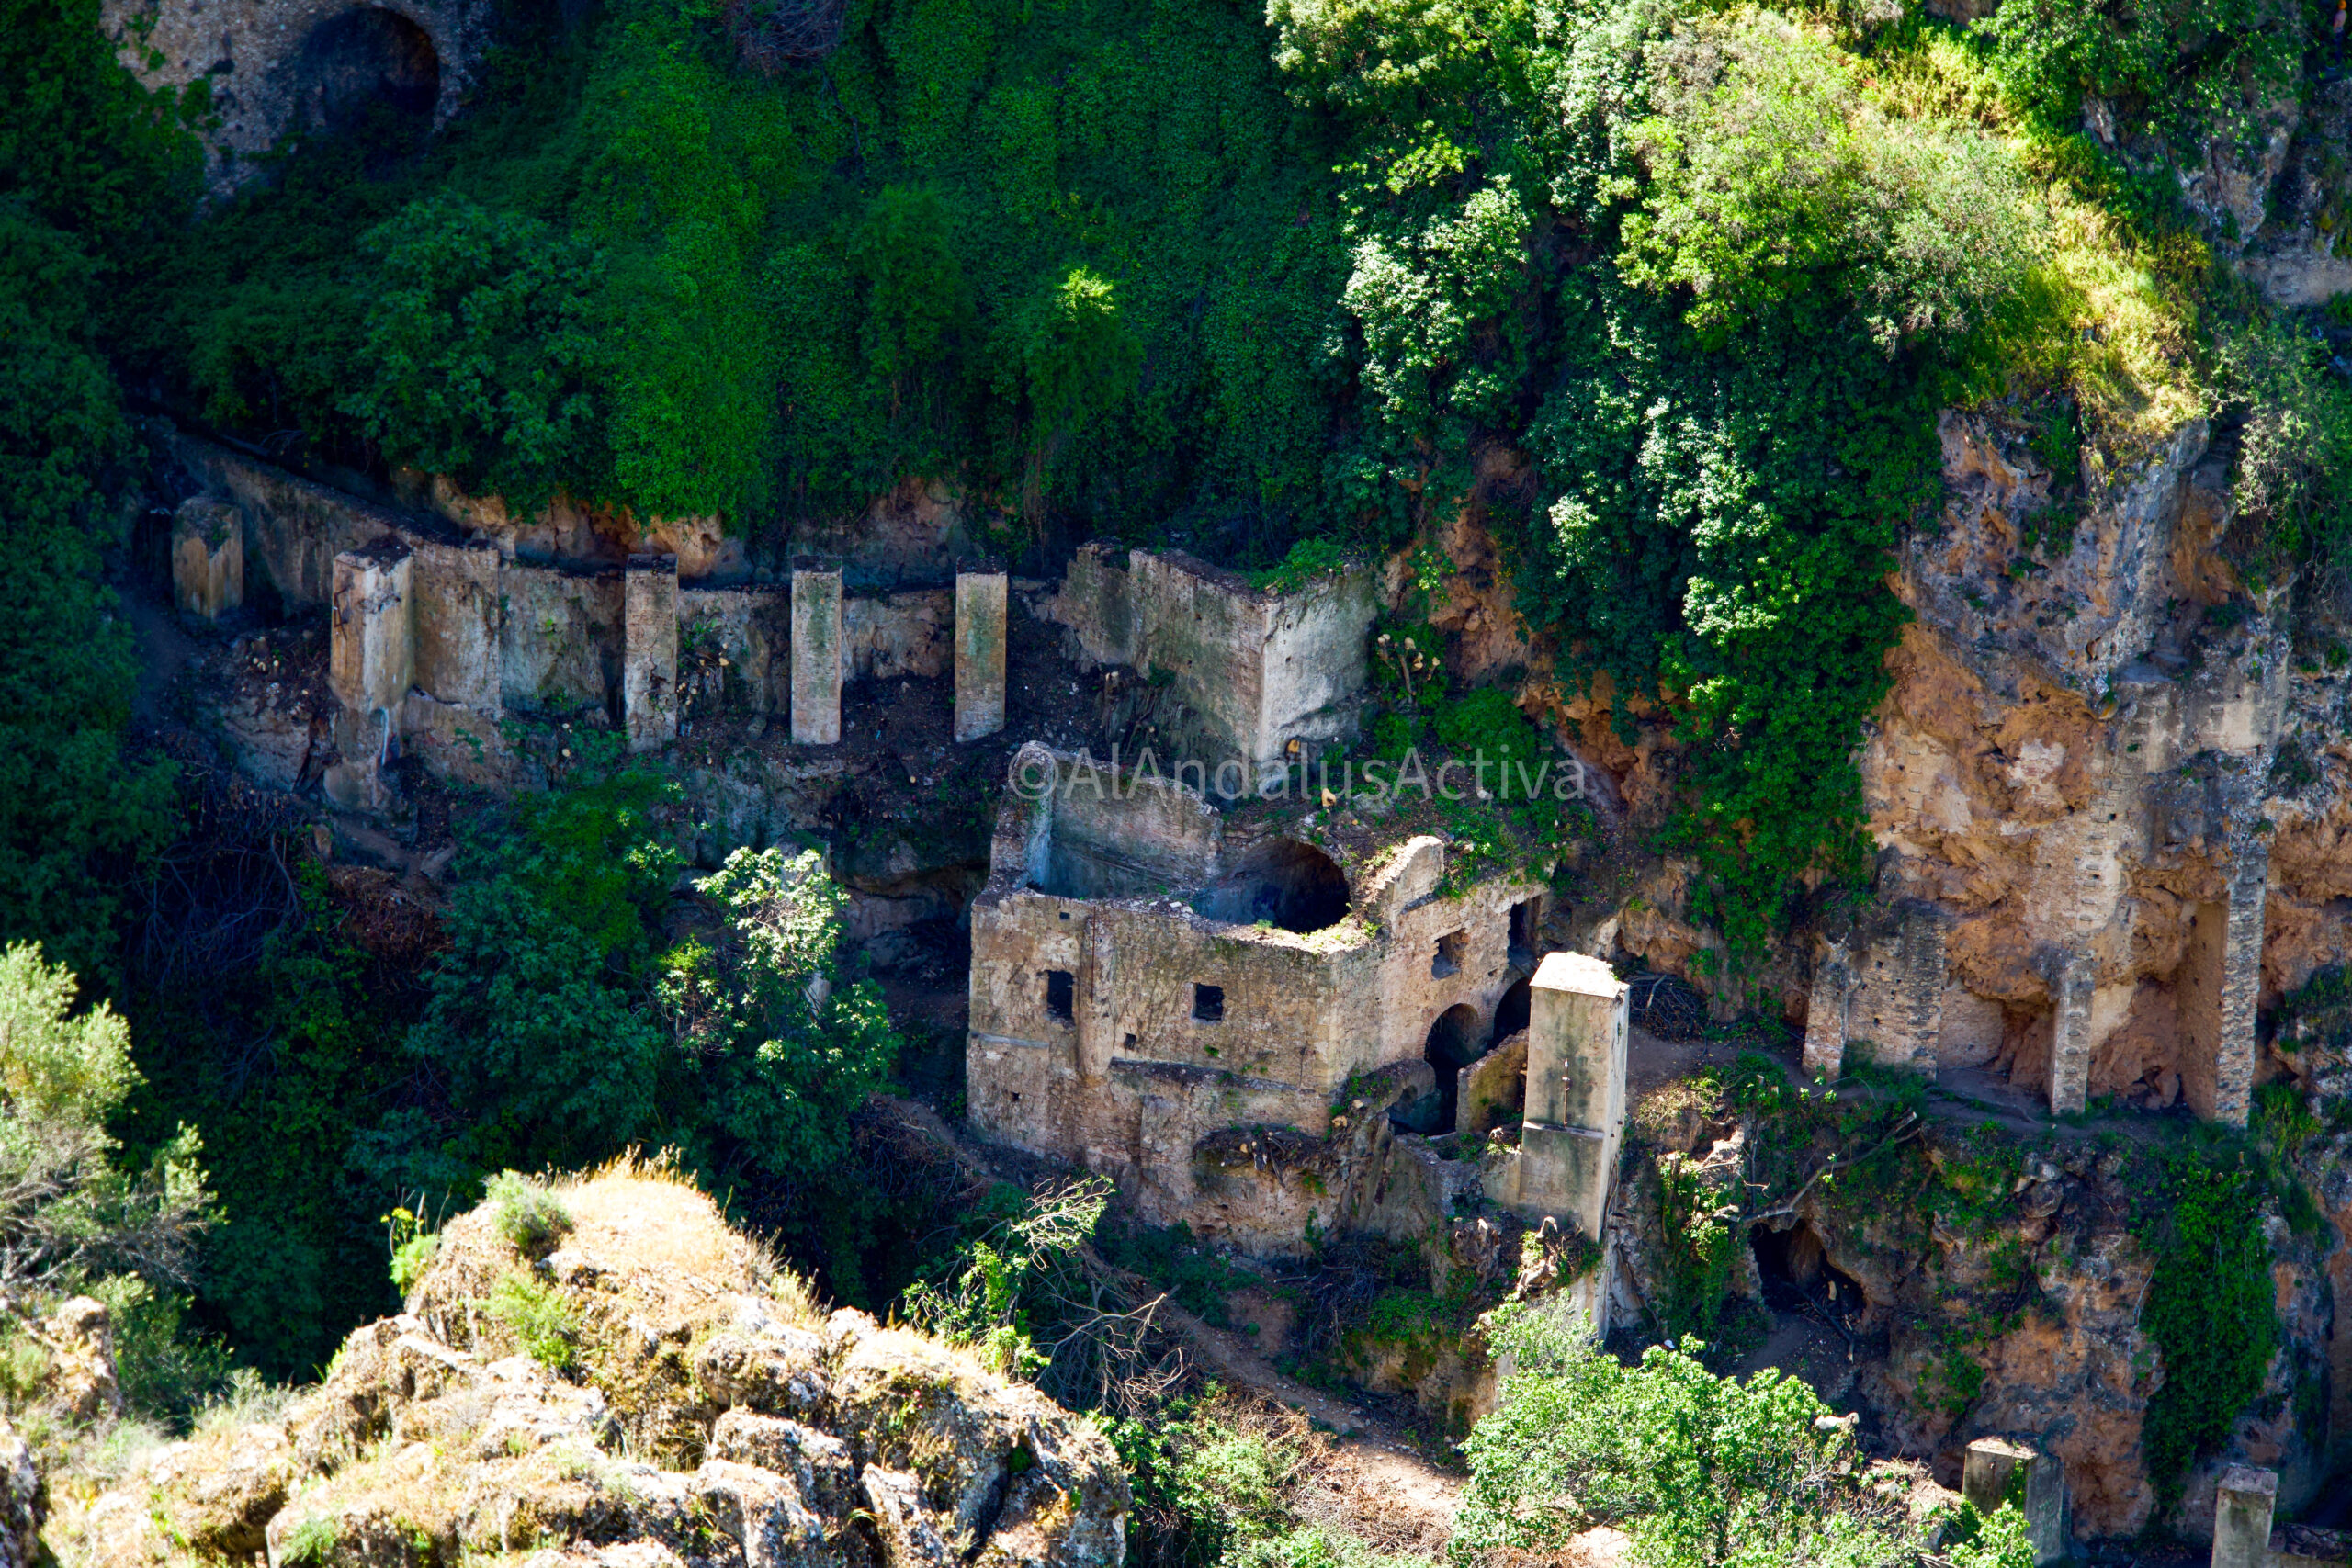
[(1697, 1470), (79, 1214), (1214, 1488), (2184, 68), (280, 1065), (2211, 1306), (562, 1030), (93, 173)]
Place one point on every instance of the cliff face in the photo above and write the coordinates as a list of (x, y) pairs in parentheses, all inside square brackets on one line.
[(647, 1394), (2084, 764)]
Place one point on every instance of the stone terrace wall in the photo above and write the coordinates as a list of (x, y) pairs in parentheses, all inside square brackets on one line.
[(497, 633)]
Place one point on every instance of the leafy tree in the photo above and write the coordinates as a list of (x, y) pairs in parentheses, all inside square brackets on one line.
[(74, 811), (917, 296), (772, 1044), (69, 1212), (1700, 1471), (537, 1024), (1774, 187), (484, 363), (2189, 68), (1077, 358), (96, 176)]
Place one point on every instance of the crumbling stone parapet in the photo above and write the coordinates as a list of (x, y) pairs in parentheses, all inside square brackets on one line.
[(207, 559), (816, 657), (1882, 989), (649, 652), (1995, 1471), (2244, 1501), (979, 653)]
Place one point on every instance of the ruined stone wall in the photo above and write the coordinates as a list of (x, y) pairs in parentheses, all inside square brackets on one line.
[(502, 622), (1113, 1027), (1254, 671), (2073, 776)]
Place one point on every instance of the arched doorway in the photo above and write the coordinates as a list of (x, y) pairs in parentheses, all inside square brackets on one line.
[(370, 66), (1510, 1014), (1455, 1041)]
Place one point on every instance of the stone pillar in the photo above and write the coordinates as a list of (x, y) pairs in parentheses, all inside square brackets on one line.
[(1996, 1470), (979, 654), (649, 652), (371, 662), (817, 649), (2070, 1038), (2243, 1503), (1825, 1015), (2219, 975), (207, 559), (1577, 1024)]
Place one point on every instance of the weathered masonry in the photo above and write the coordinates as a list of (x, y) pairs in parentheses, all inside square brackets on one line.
[(1566, 1163), (1253, 671), (273, 66), (486, 631), (1165, 1001)]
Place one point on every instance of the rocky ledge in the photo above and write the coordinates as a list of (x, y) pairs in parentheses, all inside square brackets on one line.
[(649, 1392)]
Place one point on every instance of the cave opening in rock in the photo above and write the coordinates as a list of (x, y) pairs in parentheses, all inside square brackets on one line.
[(1797, 1273), (1285, 883), (369, 68)]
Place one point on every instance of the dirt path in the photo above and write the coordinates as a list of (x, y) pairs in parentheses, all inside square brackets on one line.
[(1358, 1476)]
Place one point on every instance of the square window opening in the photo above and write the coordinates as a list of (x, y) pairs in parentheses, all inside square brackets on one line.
[(1448, 958), (1061, 992), (1208, 1004)]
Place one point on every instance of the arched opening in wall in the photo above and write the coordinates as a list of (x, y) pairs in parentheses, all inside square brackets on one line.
[(1797, 1275), (1455, 1041), (371, 69), (1290, 885), (1510, 1014)]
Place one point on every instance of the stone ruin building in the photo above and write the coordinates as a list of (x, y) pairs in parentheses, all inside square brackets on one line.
[(1201, 1011), (1215, 1014), (270, 68)]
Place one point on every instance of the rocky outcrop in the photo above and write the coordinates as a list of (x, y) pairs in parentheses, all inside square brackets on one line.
[(23, 1501), (2023, 1318), (647, 1395)]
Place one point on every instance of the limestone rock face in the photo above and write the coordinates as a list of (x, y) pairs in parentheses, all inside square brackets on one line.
[(700, 1413), (23, 1501)]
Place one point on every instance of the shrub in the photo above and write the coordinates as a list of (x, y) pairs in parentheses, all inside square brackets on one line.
[(1699, 1469), (311, 1544), (68, 1213), (481, 360), (539, 1315), (1775, 186), (531, 1218), (2189, 68), (1078, 357)]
